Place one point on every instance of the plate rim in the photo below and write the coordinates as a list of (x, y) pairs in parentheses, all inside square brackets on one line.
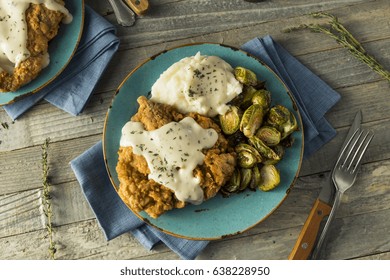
[(294, 103), (22, 96)]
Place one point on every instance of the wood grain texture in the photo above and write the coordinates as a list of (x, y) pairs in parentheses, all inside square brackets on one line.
[(361, 226)]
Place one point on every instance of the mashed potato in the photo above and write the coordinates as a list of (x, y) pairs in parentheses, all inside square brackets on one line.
[(201, 84)]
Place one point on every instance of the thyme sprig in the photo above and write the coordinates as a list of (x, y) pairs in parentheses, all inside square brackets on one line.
[(338, 32), (46, 198)]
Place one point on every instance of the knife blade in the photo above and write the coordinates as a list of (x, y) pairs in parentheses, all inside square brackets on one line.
[(321, 209), (124, 15)]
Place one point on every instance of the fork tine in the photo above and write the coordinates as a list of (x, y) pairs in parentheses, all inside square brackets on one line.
[(351, 145), (359, 142), (362, 150)]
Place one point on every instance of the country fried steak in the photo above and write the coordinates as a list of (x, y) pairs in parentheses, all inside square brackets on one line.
[(142, 194), (42, 26)]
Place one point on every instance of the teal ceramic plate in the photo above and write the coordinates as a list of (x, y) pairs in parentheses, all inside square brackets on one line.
[(61, 50), (218, 217)]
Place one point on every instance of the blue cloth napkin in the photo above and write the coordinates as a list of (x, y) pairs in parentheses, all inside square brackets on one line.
[(71, 90), (314, 99)]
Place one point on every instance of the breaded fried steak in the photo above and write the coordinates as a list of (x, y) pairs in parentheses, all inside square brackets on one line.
[(143, 194), (42, 26)]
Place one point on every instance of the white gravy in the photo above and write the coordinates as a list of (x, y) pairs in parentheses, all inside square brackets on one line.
[(13, 30), (172, 152)]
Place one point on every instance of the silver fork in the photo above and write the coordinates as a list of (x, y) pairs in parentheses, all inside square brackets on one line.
[(344, 174)]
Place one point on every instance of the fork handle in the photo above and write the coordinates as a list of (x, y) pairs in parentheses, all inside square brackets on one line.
[(306, 239)]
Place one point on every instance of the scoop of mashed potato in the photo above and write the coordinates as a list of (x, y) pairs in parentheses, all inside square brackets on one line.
[(201, 84)]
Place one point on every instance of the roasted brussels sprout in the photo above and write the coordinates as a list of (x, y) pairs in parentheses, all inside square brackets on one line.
[(290, 126), (263, 98), (269, 135), (277, 116), (247, 156), (246, 176), (230, 121), (259, 134), (270, 177), (247, 95), (245, 76), (279, 150), (283, 120), (251, 120), (264, 151), (234, 183), (256, 178)]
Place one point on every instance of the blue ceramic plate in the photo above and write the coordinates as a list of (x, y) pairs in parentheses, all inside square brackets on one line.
[(61, 50), (218, 217)]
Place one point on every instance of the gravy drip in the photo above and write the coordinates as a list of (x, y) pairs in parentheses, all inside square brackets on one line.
[(13, 30), (172, 152)]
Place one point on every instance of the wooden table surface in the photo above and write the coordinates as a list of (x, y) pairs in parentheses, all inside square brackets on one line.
[(361, 229)]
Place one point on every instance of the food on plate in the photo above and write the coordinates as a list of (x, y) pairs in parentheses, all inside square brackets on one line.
[(26, 27), (191, 161), (262, 137), (202, 84), (207, 128)]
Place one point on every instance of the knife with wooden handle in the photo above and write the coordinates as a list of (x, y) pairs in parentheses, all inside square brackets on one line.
[(321, 208), (138, 6)]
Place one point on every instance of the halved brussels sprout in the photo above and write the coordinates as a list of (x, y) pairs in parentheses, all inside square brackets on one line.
[(247, 95), (290, 126), (256, 178), (263, 149), (245, 76), (270, 177), (247, 156), (269, 135), (234, 183), (283, 120), (263, 98), (279, 150), (251, 120), (246, 176), (230, 121), (277, 116)]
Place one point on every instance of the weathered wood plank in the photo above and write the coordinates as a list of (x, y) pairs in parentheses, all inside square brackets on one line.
[(369, 195), (381, 256), (23, 170), (177, 20), (84, 240), (20, 213)]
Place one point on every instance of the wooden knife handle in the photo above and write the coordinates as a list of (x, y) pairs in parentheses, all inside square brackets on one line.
[(306, 239), (138, 6)]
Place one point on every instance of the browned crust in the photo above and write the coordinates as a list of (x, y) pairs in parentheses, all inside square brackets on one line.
[(42, 26), (142, 194)]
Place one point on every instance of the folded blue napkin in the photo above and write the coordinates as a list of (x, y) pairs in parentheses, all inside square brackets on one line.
[(314, 99), (71, 90)]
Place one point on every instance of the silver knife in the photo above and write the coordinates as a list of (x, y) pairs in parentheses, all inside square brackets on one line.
[(321, 209), (124, 15)]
